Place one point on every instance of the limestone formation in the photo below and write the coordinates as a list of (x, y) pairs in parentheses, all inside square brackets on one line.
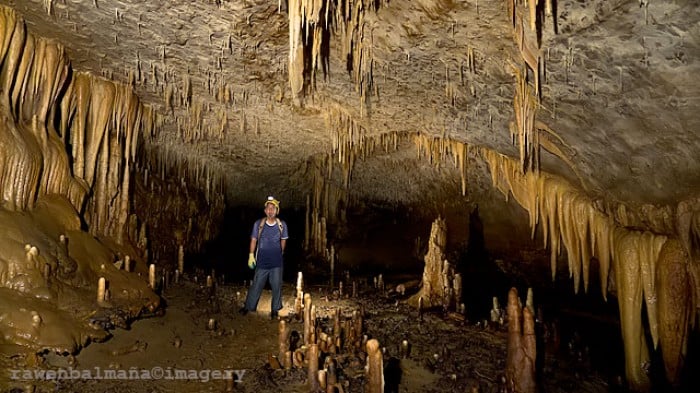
[(521, 351), (123, 124)]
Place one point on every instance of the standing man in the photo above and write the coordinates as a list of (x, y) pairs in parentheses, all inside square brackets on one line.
[(267, 243)]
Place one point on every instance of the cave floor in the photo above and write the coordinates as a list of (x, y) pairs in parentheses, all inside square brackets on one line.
[(447, 354)]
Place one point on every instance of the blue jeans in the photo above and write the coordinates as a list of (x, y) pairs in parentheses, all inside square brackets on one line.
[(261, 277)]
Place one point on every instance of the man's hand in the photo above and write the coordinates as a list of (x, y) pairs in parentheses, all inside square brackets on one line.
[(251, 261)]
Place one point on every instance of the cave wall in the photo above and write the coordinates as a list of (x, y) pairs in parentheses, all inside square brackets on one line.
[(179, 208), (71, 146)]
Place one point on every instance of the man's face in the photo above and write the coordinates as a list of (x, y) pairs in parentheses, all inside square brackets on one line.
[(270, 210)]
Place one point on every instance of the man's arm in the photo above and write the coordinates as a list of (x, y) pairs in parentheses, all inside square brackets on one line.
[(253, 243), (283, 244)]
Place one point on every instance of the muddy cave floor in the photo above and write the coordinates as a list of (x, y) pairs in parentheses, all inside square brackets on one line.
[(446, 354)]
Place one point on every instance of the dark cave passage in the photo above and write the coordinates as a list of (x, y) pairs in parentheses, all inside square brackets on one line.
[(228, 252)]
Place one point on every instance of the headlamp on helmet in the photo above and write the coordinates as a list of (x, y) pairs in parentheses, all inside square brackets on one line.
[(271, 200)]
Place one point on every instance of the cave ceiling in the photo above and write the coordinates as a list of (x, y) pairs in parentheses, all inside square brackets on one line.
[(619, 88)]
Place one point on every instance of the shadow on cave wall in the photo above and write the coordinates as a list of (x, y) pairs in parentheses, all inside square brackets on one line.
[(481, 277)]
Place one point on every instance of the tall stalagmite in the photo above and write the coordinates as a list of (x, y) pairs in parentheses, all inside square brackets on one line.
[(432, 291)]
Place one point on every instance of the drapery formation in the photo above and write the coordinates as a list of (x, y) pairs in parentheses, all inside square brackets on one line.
[(70, 133)]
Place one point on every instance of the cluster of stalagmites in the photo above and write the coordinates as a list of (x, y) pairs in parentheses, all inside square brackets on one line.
[(329, 352), (47, 264), (521, 351), (639, 266), (648, 267)]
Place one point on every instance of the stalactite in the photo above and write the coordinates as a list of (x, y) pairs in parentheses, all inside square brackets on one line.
[(525, 107), (437, 149), (674, 307), (309, 21), (628, 284), (296, 48), (33, 72), (13, 34)]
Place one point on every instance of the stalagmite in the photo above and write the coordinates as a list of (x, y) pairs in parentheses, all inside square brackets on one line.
[(420, 308), (529, 301), (283, 340), (101, 286), (181, 259), (496, 312), (358, 324), (312, 357), (331, 374), (457, 285), (299, 298), (152, 276), (287, 364), (36, 320), (322, 380), (375, 368), (437, 275), (332, 264), (308, 322), (312, 326), (405, 351), (521, 348)]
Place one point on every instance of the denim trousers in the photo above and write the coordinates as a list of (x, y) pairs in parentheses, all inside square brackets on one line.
[(260, 278)]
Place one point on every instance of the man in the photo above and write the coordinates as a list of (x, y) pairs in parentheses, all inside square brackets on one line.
[(267, 243)]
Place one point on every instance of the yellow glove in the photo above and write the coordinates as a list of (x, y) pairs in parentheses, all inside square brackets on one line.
[(251, 261)]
